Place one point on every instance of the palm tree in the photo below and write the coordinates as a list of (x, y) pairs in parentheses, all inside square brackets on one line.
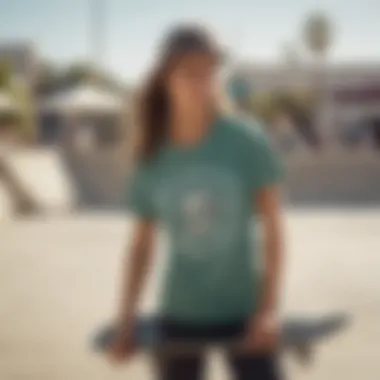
[(79, 72), (7, 114), (47, 78), (317, 36), (21, 117), (5, 75)]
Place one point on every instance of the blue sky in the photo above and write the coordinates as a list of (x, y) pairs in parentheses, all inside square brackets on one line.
[(254, 29)]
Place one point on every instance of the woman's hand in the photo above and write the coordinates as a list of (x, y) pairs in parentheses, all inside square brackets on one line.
[(262, 333), (123, 348)]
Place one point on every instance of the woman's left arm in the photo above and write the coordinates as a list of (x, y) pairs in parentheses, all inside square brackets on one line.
[(262, 334), (268, 205)]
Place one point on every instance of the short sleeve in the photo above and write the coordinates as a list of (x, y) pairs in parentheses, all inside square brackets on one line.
[(139, 198), (265, 166)]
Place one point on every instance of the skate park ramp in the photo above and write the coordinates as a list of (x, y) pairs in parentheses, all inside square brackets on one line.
[(37, 180)]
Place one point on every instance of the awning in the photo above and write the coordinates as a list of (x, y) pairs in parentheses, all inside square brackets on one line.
[(83, 99)]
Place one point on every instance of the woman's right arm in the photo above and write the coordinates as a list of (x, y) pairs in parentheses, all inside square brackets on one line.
[(135, 267)]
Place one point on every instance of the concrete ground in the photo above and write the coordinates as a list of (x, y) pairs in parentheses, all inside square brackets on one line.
[(59, 280)]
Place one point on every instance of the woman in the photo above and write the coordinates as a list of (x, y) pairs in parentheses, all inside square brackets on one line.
[(203, 175)]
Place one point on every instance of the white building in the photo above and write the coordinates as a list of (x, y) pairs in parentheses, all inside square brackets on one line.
[(351, 92)]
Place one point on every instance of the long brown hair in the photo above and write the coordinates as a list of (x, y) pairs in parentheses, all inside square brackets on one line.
[(153, 106), (152, 114)]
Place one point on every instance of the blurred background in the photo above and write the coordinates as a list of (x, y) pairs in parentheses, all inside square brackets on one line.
[(69, 71)]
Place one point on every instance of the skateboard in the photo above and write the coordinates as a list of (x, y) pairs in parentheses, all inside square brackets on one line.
[(297, 335)]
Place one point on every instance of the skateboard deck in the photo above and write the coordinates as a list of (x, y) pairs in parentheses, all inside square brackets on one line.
[(298, 335)]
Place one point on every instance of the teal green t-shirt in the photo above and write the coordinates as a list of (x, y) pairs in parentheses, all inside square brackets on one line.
[(204, 197)]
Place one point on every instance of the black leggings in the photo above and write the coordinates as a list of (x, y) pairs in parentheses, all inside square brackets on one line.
[(190, 367)]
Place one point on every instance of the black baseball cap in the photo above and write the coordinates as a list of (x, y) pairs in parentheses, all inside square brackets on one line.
[(188, 38)]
